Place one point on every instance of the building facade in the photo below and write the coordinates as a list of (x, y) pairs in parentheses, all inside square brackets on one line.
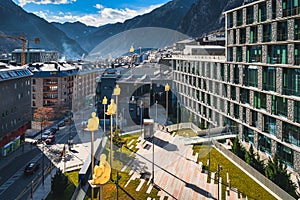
[(52, 84), (34, 55), (263, 43), (84, 90), (15, 107), (255, 89)]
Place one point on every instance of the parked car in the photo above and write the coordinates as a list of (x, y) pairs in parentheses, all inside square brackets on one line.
[(61, 124), (54, 129), (50, 139), (46, 134), (31, 167)]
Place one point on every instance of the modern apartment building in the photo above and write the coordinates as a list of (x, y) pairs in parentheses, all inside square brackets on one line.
[(52, 84), (15, 106), (84, 90), (263, 43), (256, 88)]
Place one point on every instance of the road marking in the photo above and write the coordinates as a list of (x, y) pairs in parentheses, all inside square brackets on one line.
[(17, 175)]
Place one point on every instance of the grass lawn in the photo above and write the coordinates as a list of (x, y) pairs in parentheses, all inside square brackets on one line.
[(109, 189), (238, 179), (186, 133)]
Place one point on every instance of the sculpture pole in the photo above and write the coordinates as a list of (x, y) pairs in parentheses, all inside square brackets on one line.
[(93, 124), (92, 159)]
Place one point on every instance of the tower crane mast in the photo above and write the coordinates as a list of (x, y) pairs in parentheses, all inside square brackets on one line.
[(24, 42)]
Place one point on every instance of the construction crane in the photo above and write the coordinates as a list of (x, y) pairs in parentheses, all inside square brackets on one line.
[(24, 42)]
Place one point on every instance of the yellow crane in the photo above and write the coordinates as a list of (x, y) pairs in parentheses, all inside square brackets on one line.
[(24, 42)]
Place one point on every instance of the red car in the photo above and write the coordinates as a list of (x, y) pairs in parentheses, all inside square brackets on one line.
[(31, 167)]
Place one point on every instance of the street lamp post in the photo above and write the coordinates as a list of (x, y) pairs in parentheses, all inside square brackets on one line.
[(209, 140), (167, 88), (156, 111), (117, 91), (111, 110), (141, 117), (104, 102), (219, 187)]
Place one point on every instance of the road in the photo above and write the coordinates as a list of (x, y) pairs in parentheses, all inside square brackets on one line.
[(13, 183)]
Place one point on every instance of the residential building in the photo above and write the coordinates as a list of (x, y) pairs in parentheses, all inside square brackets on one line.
[(15, 106), (255, 89), (85, 83), (263, 43), (52, 84)]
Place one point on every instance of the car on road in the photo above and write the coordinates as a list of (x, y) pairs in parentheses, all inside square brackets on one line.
[(46, 134), (31, 167), (54, 129), (61, 124), (50, 139)]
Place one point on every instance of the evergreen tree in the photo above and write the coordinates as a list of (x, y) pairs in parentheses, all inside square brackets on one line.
[(250, 156), (237, 148), (259, 164), (277, 172), (59, 183)]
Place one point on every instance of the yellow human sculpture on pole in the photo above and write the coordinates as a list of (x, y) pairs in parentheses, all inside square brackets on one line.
[(112, 107), (101, 174), (93, 123)]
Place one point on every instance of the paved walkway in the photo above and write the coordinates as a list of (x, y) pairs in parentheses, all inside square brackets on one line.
[(176, 172)]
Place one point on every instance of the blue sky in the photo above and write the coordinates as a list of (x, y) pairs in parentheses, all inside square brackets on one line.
[(90, 12)]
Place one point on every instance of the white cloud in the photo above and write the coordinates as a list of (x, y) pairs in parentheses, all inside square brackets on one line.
[(24, 2), (104, 15), (99, 6)]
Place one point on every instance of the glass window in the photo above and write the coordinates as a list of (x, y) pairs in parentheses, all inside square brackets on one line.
[(285, 154), (229, 20), (239, 54), (252, 74), (297, 29), (242, 35), (296, 54), (254, 54), (236, 111), (282, 31), (248, 135), (233, 93), (277, 54), (254, 119), (290, 7), (249, 15), (291, 81), (274, 9), (239, 19), (279, 106), (230, 54), (228, 73), (291, 133), (269, 125), (297, 111), (234, 36), (262, 12), (244, 96), (236, 74), (269, 78), (253, 34), (264, 143), (267, 32), (259, 100), (222, 72)]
